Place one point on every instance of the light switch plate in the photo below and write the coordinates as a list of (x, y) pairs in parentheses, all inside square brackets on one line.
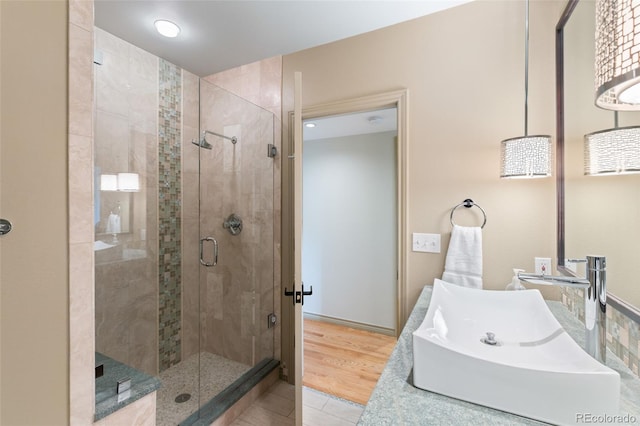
[(426, 243)]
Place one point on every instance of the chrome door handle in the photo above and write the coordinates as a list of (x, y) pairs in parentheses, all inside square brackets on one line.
[(5, 226), (215, 252)]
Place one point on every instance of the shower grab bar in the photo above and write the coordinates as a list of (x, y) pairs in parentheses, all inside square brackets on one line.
[(215, 252)]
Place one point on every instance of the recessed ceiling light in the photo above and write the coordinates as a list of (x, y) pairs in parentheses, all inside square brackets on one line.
[(310, 125), (167, 28)]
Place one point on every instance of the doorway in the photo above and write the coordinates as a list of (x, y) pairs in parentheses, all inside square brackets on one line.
[(349, 246), (349, 231), (292, 200)]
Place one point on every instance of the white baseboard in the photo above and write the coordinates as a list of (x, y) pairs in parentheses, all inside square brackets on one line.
[(352, 324)]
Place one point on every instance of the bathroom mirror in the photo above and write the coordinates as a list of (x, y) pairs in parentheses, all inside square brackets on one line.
[(597, 215)]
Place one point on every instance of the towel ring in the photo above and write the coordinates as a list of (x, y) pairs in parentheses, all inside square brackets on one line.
[(468, 203)]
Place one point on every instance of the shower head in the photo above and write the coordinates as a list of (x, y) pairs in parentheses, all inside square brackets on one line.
[(202, 143)]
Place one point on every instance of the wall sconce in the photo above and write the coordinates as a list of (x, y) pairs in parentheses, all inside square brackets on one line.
[(124, 182), (617, 54), (612, 151), (128, 182), (526, 156), (108, 182)]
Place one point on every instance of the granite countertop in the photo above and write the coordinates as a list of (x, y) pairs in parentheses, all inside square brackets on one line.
[(107, 400), (395, 401)]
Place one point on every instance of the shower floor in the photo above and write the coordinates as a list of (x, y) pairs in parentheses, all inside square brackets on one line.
[(217, 373)]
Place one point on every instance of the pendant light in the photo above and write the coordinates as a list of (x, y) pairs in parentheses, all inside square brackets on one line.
[(526, 156), (618, 54), (612, 151)]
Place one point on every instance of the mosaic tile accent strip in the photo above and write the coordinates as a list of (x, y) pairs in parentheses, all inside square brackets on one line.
[(169, 216), (623, 334)]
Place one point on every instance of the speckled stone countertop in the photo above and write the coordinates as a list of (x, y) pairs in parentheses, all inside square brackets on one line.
[(395, 401), (107, 400)]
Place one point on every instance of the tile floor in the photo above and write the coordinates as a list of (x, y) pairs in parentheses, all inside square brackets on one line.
[(276, 407), (217, 373)]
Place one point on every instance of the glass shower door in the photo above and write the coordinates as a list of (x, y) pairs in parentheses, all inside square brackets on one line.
[(236, 223)]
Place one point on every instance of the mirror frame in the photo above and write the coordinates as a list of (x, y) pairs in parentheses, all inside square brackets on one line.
[(617, 303)]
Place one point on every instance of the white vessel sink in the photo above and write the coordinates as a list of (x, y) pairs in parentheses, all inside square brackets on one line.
[(536, 370)]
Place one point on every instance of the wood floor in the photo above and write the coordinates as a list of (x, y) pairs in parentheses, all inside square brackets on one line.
[(344, 361)]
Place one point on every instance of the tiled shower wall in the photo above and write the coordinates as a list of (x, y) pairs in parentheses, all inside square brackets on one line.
[(237, 178), (169, 214), (261, 84), (623, 334), (126, 276), (138, 107), (224, 296)]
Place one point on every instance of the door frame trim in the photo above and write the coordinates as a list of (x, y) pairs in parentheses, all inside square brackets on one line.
[(398, 99)]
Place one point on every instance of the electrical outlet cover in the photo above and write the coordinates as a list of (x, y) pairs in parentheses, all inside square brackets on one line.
[(543, 265)]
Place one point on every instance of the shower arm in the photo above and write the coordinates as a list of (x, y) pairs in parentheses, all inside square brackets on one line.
[(233, 139)]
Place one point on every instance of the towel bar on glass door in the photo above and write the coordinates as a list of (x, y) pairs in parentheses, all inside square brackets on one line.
[(468, 203)]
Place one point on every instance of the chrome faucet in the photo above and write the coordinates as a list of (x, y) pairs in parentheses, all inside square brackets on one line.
[(595, 301)]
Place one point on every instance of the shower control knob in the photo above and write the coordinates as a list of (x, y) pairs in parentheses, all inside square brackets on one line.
[(5, 226)]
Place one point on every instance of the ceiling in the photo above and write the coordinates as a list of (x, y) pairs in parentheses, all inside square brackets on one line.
[(376, 121), (217, 35)]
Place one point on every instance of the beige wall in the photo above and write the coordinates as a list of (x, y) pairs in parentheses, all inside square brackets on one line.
[(464, 70), (34, 271)]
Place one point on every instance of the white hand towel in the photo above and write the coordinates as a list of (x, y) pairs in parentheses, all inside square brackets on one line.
[(113, 224), (463, 265)]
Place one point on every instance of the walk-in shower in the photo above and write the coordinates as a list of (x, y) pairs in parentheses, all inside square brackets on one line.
[(200, 327)]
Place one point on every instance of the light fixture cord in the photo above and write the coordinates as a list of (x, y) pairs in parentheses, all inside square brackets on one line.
[(526, 68)]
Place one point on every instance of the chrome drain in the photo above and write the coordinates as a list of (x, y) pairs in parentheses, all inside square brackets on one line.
[(183, 397), (490, 339)]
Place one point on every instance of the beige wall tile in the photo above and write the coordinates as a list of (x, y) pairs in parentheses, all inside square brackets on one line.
[(81, 232), (81, 330), (140, 413), (80, 190), (81, 14), (81, 86)]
